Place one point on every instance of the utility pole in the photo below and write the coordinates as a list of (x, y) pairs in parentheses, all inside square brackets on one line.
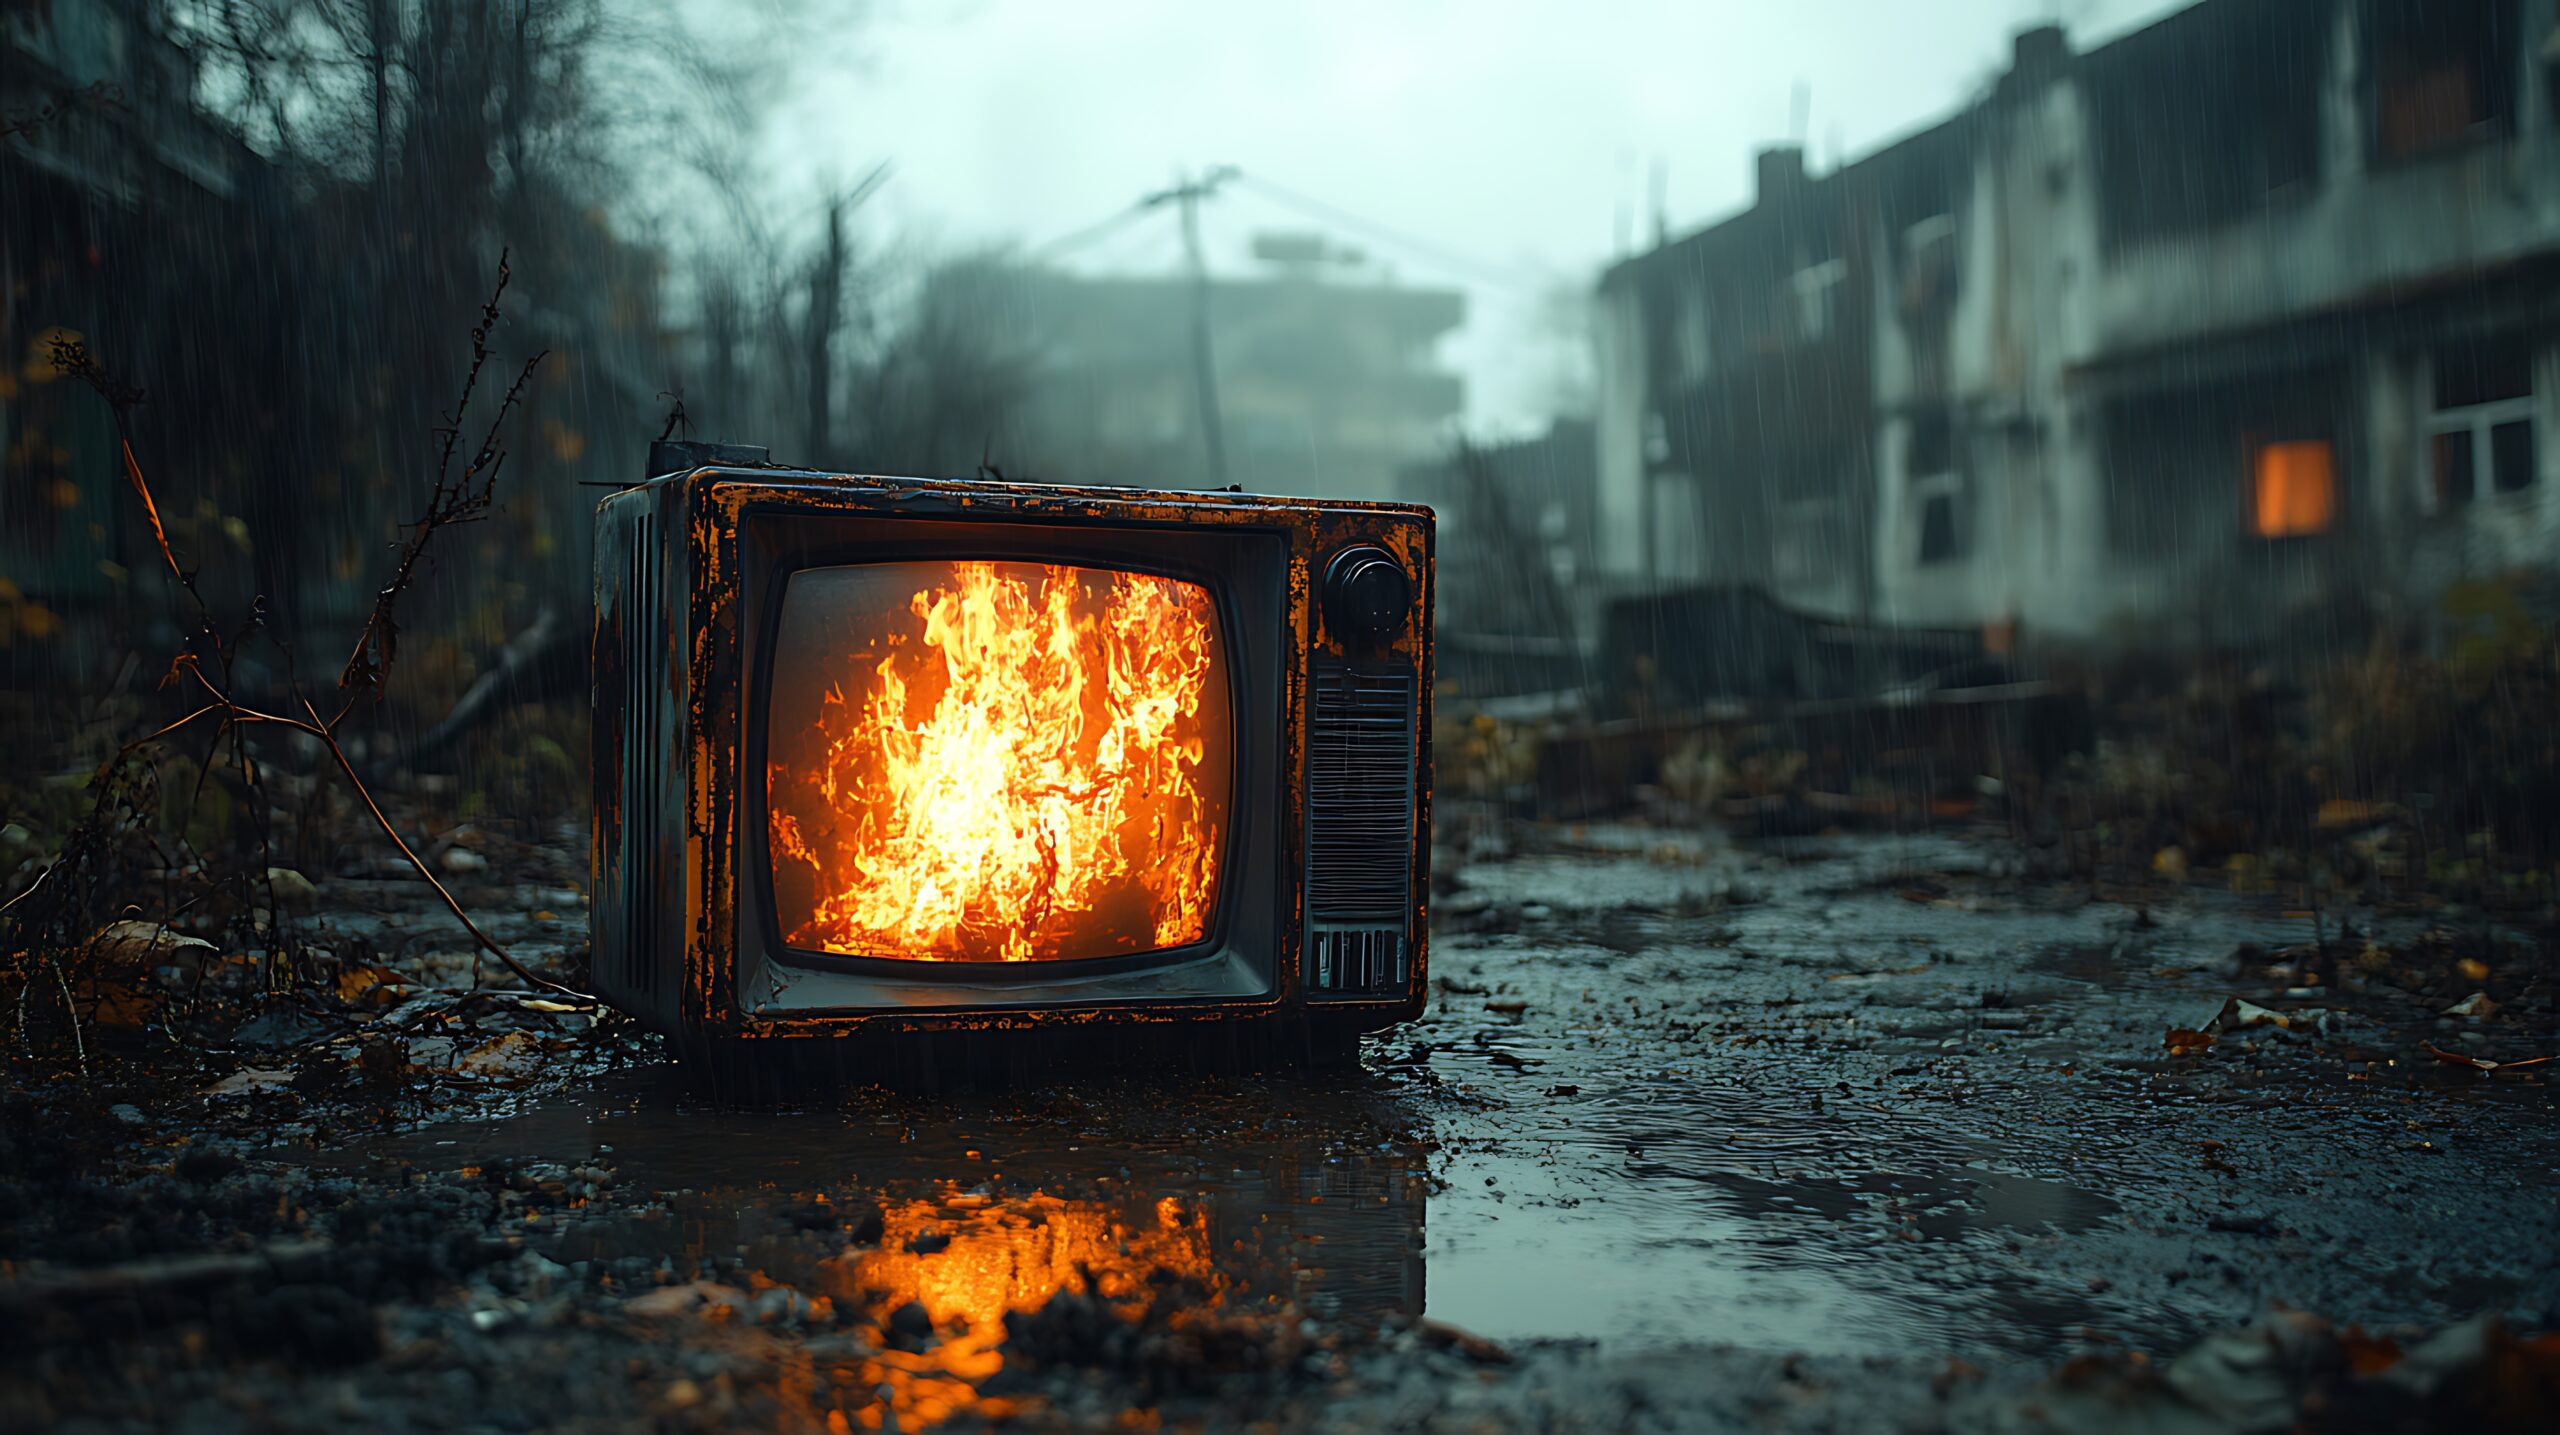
[(1188, 194), (826, 290)]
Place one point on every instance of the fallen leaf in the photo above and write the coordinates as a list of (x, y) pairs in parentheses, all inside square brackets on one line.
[(2186, 1042), (2367, 1354), (250, 1078), (371, 985), (2340, 812), (514, 1054), (689, 1298), (1467, 1343), (2480, 1063), (110, 1002), (2475, 1005), (2237, 1014), (139, 943)]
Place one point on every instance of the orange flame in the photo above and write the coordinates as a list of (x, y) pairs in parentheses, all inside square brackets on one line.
[(1036, 770)]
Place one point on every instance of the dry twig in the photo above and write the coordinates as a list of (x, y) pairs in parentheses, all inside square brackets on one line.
[(458, 496)]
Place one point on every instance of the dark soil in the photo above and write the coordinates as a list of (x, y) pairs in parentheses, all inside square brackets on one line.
[(1841, 1132)]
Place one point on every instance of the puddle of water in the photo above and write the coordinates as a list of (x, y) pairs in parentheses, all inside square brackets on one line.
[(1675, 1189), (926, 1225)]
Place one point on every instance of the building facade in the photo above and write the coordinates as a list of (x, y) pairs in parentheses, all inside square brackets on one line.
[(1326, 386), (2190, 339)]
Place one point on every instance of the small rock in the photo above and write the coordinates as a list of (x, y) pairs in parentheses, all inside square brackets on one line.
[(279, 1027), (911, 1322), (2245, 1223), (930, 1243), (294, 892), (203, 1168), (462, 860)]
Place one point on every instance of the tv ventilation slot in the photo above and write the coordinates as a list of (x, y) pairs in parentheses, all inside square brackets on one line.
[(643, 751), (1360, 796)]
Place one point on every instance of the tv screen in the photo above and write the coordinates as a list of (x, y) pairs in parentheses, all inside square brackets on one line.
[(979, 760)]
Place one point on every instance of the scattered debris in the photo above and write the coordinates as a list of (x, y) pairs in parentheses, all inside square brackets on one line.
[(2186, 1042), (1441, 1335), (2482, 1063)]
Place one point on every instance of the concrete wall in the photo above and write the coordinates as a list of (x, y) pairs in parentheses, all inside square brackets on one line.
[(2057, 335)]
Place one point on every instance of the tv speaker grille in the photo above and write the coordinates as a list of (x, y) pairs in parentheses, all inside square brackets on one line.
[(1360, 796)]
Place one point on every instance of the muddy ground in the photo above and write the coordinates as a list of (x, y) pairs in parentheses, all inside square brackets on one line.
[(1838, 1131)]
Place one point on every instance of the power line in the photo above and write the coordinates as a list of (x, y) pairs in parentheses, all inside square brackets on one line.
[(1481, 270), (1077, 239)]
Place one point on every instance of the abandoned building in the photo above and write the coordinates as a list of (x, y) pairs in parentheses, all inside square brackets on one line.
[(1325, 371), (2241, 324)]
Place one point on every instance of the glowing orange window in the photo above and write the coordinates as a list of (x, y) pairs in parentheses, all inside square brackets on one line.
[(2296, 489)]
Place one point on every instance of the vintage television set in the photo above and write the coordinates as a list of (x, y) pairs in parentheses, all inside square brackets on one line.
[(880, 756)]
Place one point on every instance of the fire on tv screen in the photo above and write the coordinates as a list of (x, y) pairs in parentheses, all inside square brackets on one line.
[(996, 761)]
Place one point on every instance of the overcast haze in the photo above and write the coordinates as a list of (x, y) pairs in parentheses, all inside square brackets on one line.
[(1513, 135)]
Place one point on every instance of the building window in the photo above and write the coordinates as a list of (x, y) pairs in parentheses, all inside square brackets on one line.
[(1690, 350), (1929, 277), (1941, 533), (2444, 74), (1817, 293), (2480, 435), (1937, 491), (2295, 489), (1657, 437)]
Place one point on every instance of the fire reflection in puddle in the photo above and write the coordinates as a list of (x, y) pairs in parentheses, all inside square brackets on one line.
[(968, 1261), (894, 1265)]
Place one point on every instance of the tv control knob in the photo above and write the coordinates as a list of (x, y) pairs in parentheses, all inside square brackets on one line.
[(1366, 592)]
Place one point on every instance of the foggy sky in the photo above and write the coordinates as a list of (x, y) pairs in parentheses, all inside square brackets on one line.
[(1517, 135)]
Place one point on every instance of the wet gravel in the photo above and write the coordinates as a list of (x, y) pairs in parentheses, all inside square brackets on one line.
[(1843, 1131)]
